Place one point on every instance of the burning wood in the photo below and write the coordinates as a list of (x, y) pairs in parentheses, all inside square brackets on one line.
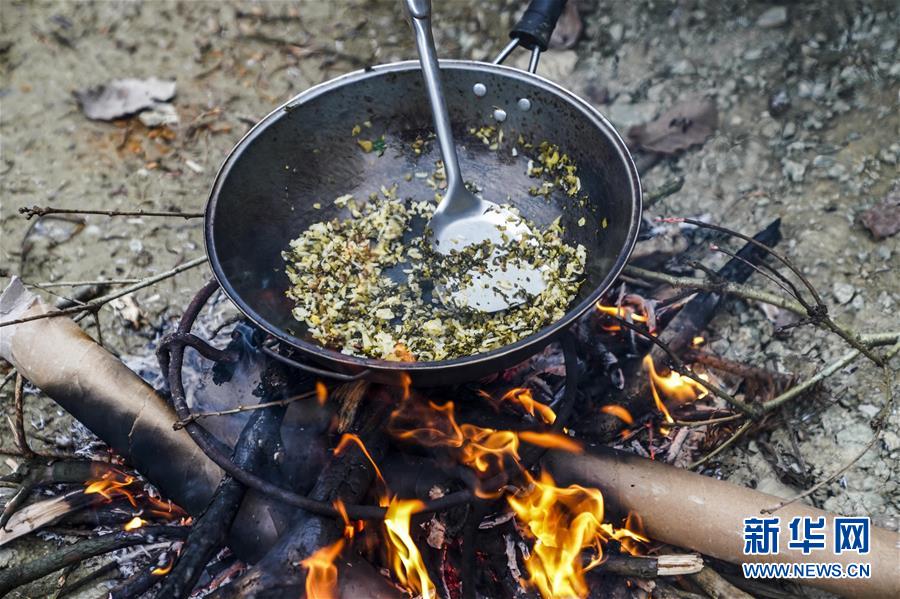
[(706, 515), (554, 520)]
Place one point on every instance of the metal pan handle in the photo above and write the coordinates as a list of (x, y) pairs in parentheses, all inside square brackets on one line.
[(533, 30)]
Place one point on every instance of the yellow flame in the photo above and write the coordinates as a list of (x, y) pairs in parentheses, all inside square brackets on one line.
[(134, 523), (162, 570), (563, 522), (403, 553), (619, 412), (673, 386), (321, 580), (697, 341)]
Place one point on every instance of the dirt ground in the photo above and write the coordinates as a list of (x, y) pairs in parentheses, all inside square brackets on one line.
[(830, 154)]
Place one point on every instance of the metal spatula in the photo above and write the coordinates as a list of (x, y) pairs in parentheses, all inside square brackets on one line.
[(463, 219)]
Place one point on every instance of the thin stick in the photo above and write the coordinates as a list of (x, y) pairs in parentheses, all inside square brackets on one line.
[(49, 285), (96, 304), (19, 427), (768, 249), (764, 269), (737, 289), (731, 418), (747, 292), (30, 212), (9, 376), (269, 404), (737, 434), (879, 428), (800, 388), (668, 188)]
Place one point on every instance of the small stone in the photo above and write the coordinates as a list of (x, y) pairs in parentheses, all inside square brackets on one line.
[(779, 102), (843, 292), (616, 32), (790, 129), (161, 114), (774, 17), (794, 171), (869, 410), (683, 67), (821, 161)]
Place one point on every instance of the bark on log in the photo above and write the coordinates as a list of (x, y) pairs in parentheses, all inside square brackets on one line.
[(706, 515)]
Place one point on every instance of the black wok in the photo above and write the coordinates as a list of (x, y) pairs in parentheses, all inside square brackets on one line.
[(303, 154)]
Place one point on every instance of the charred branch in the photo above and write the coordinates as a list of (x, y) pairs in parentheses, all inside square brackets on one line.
[(16, 576), (210, 531)]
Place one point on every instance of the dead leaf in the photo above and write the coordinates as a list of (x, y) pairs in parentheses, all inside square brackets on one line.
[(689, 123), (122, 97), (883, 220), (569, 27), (128, 308)]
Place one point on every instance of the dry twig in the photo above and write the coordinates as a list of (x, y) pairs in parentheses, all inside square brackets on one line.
[(32, 211), (96, 304)]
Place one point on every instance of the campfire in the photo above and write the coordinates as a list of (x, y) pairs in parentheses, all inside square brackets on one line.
[(491, 488)]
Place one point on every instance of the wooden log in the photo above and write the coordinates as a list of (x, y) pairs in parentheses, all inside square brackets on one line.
[(113, 402), (707, 515)]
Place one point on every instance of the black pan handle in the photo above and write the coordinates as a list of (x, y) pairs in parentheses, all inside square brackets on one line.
[(537, 24)]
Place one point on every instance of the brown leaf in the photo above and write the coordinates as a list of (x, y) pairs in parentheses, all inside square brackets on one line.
[(883, 220), (689, 123), (569, 27)]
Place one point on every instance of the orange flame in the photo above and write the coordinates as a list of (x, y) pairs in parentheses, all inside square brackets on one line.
[(634, 310), (619, 412), (563, 523), (350, 528), (635, 524), (674, 386), (134, 523), (523, 397), (349, 438), (321, 581), (406, 385), (403, 553), (551, 441), (110, 485), (321, 393)]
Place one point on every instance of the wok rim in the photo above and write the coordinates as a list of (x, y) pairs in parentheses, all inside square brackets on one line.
[(536, 340)]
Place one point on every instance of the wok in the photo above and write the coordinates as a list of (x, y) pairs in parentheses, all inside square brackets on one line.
[(283, 175)]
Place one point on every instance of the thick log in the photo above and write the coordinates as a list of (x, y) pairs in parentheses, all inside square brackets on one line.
[(121, 409), (706, 515), (347, 477)]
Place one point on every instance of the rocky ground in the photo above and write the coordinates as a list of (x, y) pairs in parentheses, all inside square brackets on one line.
[(808, 129)]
